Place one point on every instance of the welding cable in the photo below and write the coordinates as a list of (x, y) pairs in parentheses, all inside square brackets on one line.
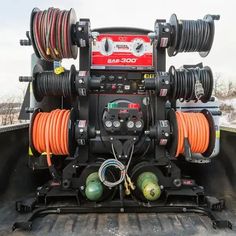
[(50, 84), (51, 34), (50, 133), (194, 128), (191, 84), (193, 36)]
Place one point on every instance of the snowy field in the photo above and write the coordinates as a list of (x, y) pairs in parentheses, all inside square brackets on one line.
[(228, 108)]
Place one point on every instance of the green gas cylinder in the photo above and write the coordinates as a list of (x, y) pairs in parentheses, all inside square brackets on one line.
[(147, 182), (94, 187)]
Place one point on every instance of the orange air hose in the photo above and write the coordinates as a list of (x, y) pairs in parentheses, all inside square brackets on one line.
[(50, 133), (194, 127)]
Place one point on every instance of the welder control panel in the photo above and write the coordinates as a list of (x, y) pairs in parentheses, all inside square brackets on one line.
[(122, 51)]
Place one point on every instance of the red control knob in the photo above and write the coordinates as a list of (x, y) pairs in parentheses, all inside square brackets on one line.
[(134, 106)]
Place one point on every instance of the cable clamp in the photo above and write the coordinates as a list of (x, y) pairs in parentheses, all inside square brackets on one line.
[(58, 68), (199, 90)]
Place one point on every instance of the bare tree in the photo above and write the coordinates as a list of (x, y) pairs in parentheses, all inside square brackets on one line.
[(9, 110)]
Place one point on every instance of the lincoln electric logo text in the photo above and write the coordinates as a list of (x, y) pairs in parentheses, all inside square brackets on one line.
[(122, 60), (122, 47)]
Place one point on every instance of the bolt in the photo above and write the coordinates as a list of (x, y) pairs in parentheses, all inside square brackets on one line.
[(152, 35), (167, 30), (166, 134), (134, 139), (126, 156), (122, 209), (184, 209), (82, 188), (167, 82), (81, 130), (81, 81), (177, 182), (111, 138), (119, 156), (161, 187)]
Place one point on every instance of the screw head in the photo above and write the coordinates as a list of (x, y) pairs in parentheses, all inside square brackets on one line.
[(122, 209)]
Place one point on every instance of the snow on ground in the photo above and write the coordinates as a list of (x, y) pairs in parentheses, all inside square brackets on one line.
[(228, 108)]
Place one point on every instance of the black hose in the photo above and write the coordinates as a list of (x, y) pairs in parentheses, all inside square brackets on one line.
[(50, 84), (192, 35), (191, 84)]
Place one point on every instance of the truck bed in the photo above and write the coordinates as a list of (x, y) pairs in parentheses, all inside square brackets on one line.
[(16, 180), (117, 224)]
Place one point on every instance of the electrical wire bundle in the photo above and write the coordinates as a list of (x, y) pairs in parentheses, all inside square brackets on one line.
[(192, 35), (50, 133), (191, 84), (51, 33), (50, 84), (117, 164), (193, 130)]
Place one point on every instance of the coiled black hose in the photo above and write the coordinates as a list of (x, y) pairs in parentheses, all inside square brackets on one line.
[(192, 35), (47, 83), (50, 84), (191, 84)]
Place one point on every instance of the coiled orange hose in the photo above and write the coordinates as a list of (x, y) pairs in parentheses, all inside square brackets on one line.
[(50, 133), (195, 127)]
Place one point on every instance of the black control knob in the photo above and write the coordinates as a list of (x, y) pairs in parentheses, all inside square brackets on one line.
[(95, 82), (106, 46)]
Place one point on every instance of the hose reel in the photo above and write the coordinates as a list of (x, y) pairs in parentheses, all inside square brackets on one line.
[(185, 35), (185, 133), (57, 133), (185, 84)]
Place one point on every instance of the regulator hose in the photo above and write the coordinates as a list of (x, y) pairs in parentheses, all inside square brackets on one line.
[(117, 164), (51, 33), (194, 129), (50, 133), (111, 163), (191, 84)]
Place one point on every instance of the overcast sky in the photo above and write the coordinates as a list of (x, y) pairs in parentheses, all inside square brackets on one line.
[(14, 21)]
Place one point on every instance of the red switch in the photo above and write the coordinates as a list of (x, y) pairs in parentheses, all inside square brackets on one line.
[(134, 106), (113, 87)]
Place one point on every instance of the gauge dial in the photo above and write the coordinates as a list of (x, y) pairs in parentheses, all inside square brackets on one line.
[(138, 47), (106, 47)]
